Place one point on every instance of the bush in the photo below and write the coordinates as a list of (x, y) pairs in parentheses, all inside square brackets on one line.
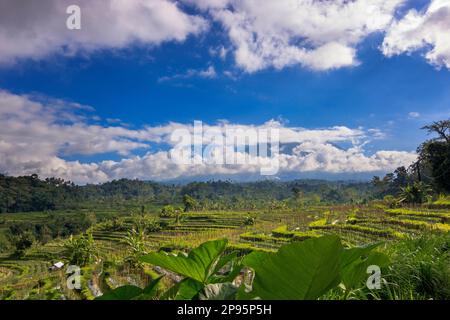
[(5, 244), (146, 224), (136, 244), (167, 212), (390, 201), (415, 193), (22, 242), (81, 250)]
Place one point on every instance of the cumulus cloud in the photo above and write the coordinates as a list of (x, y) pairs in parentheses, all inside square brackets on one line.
[(38, 135), (320, 35), (428, 30), (35, 29)]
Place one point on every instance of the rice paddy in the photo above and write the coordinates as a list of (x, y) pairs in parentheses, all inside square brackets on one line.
[(26, 277)]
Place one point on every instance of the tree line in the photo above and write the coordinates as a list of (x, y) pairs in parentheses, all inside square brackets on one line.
[(430, 174), (30, 193)]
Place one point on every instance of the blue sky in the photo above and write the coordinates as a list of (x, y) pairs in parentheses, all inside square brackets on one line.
[(149, 84)]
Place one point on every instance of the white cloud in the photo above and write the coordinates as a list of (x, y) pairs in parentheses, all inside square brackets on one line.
[(414, 115), (37, 134), (220, 52), (35, 29), (428, 30), (208, 73), (320, 35)]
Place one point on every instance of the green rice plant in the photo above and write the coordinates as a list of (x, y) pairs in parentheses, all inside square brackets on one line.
[(283, 232), (383, 233), (318, 223), (250, 236), (445, 216), (442, 200)]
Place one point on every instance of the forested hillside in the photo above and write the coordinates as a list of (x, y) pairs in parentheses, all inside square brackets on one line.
[(30, 193)]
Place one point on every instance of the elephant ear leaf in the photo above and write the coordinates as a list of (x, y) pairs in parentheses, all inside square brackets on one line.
[(188, 289), (349, 256), (196, 265), (150, 292), (255, 258), (354, 273), (301, 270), (122, 293), (152, 287)]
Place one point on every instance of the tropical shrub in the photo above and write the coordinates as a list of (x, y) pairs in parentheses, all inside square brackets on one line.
[(415, 193), (249, 221), (190, 204), (136, 244), (300, 270), (22, 242), (167, 212), (81, 250), (146, 224)]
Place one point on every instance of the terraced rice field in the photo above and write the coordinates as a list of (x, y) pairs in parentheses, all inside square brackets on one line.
[(268, 231)]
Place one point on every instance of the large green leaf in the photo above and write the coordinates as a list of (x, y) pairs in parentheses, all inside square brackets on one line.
[(233, 268), (121, 293), (129, 292), (152, 287), (255, 258), (349, 256), (199, 264), (301, 270), (355, 274), (223, 260), (188, 289), (150, 291)]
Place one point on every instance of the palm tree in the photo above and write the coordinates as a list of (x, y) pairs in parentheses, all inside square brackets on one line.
[(414, 193)]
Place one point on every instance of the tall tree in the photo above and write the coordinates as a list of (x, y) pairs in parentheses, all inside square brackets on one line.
[(434, 155)]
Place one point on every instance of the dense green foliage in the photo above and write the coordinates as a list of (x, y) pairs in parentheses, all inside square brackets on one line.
[(429, 175), (19, 194), (53, 226), (22, 194), (81, 250), (301, 270), (284, 240)]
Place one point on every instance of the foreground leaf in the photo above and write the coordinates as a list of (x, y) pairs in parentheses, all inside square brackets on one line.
[(188, 289), (301, 270), (130, 292), (349, 256), (122, 293), (199, 264), (355, 274), (151, 290)]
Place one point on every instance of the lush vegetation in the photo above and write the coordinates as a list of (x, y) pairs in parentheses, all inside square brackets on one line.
[(29, 194), (224, 240)]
